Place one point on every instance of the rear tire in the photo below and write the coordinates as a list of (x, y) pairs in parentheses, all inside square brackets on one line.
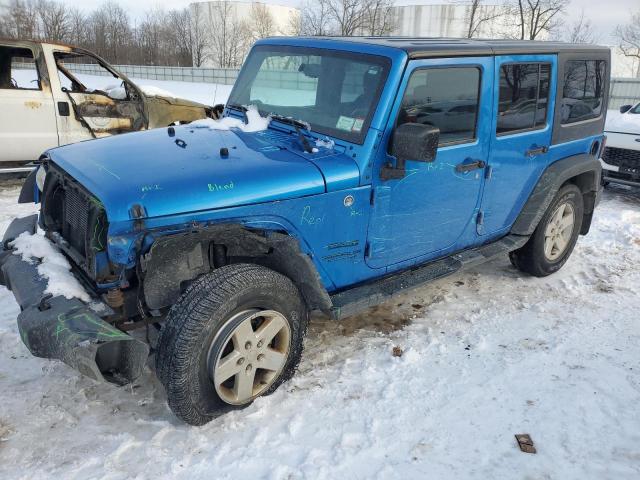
[(234, 335), (554, 238)]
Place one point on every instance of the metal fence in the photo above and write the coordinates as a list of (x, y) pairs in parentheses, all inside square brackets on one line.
[(225, 76), (623, 90)]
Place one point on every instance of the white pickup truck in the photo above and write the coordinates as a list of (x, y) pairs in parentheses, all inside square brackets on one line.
[(621, 158), (46, 100)]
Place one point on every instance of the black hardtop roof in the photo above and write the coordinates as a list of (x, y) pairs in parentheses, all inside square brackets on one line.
[(420, 47)]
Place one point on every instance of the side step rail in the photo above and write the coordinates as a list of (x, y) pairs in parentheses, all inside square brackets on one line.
[(352, 301)]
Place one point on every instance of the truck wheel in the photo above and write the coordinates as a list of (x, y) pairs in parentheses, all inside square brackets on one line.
[(234, 335), (555, 236)]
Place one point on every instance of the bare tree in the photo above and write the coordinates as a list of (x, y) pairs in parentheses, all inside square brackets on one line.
[(315, 18), (230, 37), (200, 39), (78, 24), (54, 20), (581, 30), (629, 39), (379, 19), (350, 16), (261, 22), (535, 17), (21, 19), (477, 15)]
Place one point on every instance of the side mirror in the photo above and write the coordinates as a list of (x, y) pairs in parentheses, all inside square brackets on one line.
[(625, 108), (412, 141)]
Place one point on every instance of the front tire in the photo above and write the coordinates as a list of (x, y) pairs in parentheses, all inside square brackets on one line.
[(554, 238), (234, 335)]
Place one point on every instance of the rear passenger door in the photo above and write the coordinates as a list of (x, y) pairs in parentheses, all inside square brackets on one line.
[(521, 135)]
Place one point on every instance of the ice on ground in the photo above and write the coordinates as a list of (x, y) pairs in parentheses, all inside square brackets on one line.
[(255, 122), (52, 265)]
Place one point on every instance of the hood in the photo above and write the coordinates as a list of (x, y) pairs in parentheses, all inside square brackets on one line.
[(182, 170), (623, 123), (176, 101)]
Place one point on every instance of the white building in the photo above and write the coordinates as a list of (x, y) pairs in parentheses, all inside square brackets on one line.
[(451, 20), (232, 26)]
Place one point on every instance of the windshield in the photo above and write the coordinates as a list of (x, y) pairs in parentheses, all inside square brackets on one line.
[(336, 93)]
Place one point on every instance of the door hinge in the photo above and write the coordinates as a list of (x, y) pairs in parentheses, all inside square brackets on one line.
[(480, 217), (366, 249), (372, 197), (487, 172)]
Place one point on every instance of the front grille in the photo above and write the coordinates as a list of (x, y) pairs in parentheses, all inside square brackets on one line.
[(622, 157), (76, 219)]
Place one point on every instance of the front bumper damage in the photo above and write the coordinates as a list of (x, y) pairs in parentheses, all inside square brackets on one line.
[(66, 329)]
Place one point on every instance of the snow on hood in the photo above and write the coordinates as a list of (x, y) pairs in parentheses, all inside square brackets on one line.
[(52, 265), (255, 122), (118, 92), (622, 122)]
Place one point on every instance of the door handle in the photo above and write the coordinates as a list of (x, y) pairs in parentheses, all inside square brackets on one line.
[(63, 109), (532, 152), (467, 167)]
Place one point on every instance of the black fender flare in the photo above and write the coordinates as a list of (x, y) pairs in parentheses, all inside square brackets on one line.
[(583, 170), (175, 259)]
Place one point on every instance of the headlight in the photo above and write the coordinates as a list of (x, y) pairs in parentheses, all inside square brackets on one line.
[(40, 176)]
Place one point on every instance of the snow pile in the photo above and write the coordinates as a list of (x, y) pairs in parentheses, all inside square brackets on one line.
[(155, 91), (116, 92), (52, 265), (255, 122)]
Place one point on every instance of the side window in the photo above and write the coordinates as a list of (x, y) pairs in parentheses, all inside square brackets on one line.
[(524, 95), (83, 73), (446, 98), (18, 69), (582, 90)]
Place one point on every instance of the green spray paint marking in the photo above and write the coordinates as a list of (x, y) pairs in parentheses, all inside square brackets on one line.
[(218, 187)]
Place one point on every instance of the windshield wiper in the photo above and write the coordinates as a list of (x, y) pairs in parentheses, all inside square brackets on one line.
[(297, 124), (235, 106)]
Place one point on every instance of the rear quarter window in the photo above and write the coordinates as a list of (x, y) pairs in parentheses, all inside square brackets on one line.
[(583, 90)]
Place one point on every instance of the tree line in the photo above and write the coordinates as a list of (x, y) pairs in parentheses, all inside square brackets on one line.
[(183, 37)]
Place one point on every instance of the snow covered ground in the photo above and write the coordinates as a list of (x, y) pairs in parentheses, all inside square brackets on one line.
[(487, 354)]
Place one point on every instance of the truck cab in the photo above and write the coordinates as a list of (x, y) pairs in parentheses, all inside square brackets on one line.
[(53, 94), (345, 170)]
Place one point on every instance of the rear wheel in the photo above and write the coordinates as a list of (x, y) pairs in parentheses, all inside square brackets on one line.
[(234, 335), (555, 236)]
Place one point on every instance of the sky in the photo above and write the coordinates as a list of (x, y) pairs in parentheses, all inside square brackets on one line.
[(605, 15)]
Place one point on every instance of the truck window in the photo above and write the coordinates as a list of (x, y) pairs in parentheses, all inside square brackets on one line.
[(84, 73), (524, 95), (446, 98), (582, 90), (18, 69)]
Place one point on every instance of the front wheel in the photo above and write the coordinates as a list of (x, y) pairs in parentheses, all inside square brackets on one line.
[(234, 335), (554, 238)]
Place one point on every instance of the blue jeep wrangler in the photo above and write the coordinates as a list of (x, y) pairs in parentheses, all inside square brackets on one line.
[(387, 163)]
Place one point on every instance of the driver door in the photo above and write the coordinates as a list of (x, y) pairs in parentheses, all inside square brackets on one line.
[(94, 104), (432, 210)]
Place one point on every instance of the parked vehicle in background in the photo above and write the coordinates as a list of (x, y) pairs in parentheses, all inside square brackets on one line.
[(346, 180), (621, 159), (45, 103)]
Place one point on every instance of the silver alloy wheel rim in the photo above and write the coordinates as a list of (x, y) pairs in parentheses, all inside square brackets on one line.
[(252, 356), (557, 235)]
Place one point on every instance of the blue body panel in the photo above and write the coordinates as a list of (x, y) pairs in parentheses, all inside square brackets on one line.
[(332, 201)]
